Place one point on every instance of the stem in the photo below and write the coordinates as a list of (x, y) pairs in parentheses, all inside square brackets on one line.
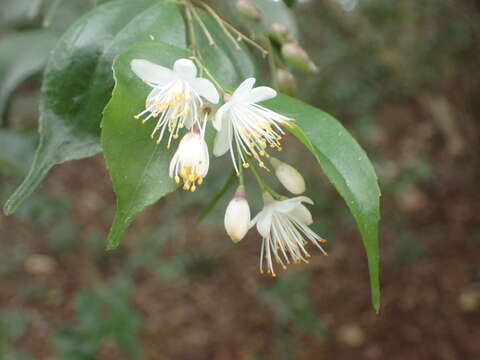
[(203, 68), (264, 187), (225, 26), (209, 36), (271, 63)]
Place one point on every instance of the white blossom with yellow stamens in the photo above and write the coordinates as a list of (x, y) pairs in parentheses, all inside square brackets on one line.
[(191, 160), (283, 226), (177, 96), (246, 128)]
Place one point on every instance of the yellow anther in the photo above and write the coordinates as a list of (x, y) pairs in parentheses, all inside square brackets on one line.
[(199, 180), (177, 179), (246, 165), (193, 188)]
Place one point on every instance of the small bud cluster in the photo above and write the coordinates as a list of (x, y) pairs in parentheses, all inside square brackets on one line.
[(283, 224), (291, 53)]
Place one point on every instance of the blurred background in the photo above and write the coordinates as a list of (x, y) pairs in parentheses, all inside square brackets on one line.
[(402, 76)]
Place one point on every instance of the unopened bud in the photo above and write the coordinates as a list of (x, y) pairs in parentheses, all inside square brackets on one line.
[(237, 216), (297, 57), (288, 176), (280, 32), (248, 9), (287, 83)]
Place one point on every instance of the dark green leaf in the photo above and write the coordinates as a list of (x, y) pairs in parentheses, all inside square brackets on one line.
[(347, 167), (21, 55), (78, 79), (277, 11), (231, 181), (138, 166)]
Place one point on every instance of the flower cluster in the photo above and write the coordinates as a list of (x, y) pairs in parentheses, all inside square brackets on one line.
[(180, 101)]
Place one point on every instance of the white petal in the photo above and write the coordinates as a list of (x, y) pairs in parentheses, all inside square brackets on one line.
[(242, 92), (264, 223), (151, 73), (219, 116), (286, 206), (302, 214), (172, 165), (261, 93), (151, 97), (205, 160), (185, 69), (206, 89), (222, 141)]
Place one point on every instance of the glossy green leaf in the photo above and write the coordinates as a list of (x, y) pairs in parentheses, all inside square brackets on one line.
[(21, 55), (229, 65), (229, 183), (78, 79), (348, 168), (138, 166)]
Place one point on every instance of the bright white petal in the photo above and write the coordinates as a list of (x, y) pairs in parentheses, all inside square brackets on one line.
[(242, 92), (264, 223), (206, 89), (151, 97), (151, 73), (185, 69), (302, 214), (173, 162), (222, 141), (219, 116), (254, 221), (259, 94), (286, 206)]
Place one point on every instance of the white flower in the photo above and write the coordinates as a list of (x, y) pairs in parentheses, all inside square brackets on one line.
[(176, 98), (283, 226), (191, 160), (246, 128), (288, 176), (237, 216)]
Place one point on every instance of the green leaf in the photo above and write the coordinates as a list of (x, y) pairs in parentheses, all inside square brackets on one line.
[(78, 79), (231, 181), (348, 168), (224, 61), (19, 12), (277, 11), (138, 166), (21, 55)]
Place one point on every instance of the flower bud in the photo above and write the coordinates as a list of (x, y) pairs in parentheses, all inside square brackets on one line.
[(280, 32), (297, 57), (287, 83), (248, 9), (237, 216), (288, 176)]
